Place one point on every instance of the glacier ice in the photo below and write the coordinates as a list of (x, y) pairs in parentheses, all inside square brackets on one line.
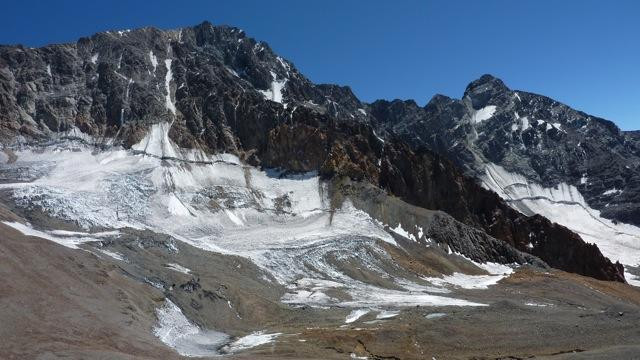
[(284, 224), (565, 205)]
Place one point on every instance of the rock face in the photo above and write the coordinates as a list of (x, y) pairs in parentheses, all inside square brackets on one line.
[(220, 91), (211, 81), (438, 226), (546, 141)]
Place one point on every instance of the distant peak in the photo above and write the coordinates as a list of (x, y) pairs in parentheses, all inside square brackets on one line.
[(480, 91), (486, 82), (440, 98), (205, 23)]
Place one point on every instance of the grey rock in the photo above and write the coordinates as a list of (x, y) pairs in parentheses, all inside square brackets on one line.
[(533, 135)]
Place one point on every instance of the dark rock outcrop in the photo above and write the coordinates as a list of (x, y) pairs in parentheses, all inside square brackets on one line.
[(428, 226)]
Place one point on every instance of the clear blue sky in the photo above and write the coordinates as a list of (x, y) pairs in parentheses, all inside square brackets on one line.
[(584, 53)]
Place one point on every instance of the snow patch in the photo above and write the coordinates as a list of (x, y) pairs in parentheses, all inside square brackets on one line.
[(178, 268), (113, 254), (521, 123), (233, 72), (416, 296), (525, 123), (274, 93), (355, 315), (250, 341), (68, 241), (126, 100), (176, 331), (632, 280), (285, 66), (157, 142), (483, 114), (400, 231), (435, 315), (612, 192), (536, 304), (154, 61), (496, 272), (167, 85), (550, 126), (102, 234), (466, 281), (383, 315)]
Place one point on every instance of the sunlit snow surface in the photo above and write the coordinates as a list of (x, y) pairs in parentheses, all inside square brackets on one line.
[(178, 268), (175, 330), (483, 114), (565, 205), (355, 315), (70, 239), (252, 340), (274, 92), (167, 84)]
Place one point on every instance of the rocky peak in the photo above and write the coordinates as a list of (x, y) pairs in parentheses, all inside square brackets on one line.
[(484, 90), (440, 100), (544, 140), (118, 82), (392, 112)]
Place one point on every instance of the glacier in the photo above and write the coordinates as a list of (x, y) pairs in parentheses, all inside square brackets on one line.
[(285, 224), (565, 205)]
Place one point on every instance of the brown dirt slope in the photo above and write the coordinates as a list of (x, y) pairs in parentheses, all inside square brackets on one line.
[(57, 302)]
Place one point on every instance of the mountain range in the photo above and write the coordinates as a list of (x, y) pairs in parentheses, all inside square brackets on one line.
[(237, 202)]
